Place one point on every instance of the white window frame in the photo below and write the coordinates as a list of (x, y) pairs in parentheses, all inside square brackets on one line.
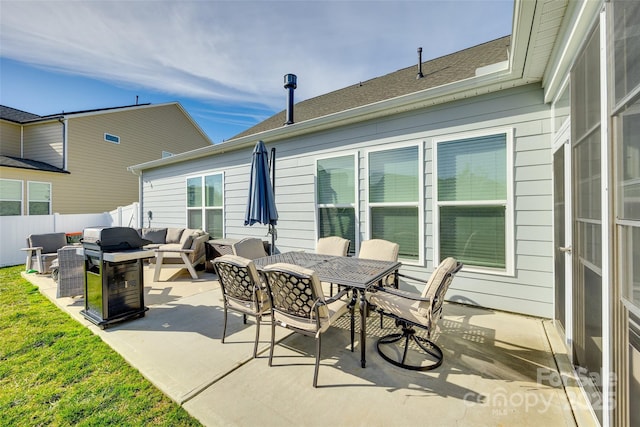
[(204, 208), (29, 196), (21, 200), (509, 203), (356, 205), (419, 203)]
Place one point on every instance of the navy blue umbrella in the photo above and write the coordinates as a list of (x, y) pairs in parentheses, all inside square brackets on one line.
[(261, 204)]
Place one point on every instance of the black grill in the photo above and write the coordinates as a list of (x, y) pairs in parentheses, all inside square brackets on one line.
[(114, 284), (112, 239)]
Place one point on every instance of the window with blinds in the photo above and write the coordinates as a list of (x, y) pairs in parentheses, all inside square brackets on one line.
[(394, 198), (205, 204), (336, 195), (10, 197), (39, 198), (472, 200)]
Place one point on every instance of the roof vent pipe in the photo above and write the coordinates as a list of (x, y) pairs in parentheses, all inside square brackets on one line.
[(290, 85), (420, 75)]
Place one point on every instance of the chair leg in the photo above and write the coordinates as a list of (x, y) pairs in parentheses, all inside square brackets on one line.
[(315, 373), (255, 344), (273, 341), (189, 266), (28, 261), (224, 325), (159, 258), (39, 261)]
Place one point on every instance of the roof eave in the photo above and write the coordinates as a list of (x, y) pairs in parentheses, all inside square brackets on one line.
[(429, 97)]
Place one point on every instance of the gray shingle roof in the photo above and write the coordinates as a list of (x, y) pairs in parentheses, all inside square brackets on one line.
[(22, 117), (17, 162), (437, 72), (15, 115)]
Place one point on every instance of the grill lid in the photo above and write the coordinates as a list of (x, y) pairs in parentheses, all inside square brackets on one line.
[(109, 239)]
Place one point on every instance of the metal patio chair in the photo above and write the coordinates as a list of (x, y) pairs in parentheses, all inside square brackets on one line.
[(410, 311), (298, 303), (332, 245), (250, 248), (381, 250), (242, 291)]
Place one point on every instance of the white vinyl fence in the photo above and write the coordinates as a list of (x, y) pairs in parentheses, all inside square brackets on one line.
[(15, 229)]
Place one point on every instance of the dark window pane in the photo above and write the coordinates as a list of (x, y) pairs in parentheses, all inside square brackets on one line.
[(399, 225), (474, 235)]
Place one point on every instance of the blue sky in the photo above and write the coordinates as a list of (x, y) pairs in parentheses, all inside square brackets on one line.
[(224, 61)]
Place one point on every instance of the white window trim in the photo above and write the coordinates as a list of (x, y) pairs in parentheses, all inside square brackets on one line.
[(204, 208), (21, 200), (509, 203), (419, 204), (111, 135), (356, 187), (29, 196)]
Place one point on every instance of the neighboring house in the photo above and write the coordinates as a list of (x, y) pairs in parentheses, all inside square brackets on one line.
[(520, 157), (71, 163)]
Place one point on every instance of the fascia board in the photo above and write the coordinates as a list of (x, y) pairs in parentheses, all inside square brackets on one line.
[(582, 15), (73, 115), (523, 16)]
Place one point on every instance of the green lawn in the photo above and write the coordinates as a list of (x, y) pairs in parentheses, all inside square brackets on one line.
[(54, 371)]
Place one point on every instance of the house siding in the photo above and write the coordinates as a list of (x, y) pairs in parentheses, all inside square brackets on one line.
[(44, 142), (98, 168), (10, 139), (57, 181), (529, 290)]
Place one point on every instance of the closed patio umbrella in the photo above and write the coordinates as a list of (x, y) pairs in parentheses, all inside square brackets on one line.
[(261, 204)]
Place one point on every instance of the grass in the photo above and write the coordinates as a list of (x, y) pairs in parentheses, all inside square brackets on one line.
[(55, 372)]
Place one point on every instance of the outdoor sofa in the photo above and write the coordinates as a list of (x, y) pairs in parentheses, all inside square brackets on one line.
[(176, 246), (42, 250)]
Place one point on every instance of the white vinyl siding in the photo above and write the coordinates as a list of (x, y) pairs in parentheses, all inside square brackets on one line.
[(473, 212), (336, 195), (529, 290), (39, 198), (394, 198), (10, 197), (205, 204)]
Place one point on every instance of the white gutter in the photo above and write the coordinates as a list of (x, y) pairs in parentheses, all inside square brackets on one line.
[(65, 139)]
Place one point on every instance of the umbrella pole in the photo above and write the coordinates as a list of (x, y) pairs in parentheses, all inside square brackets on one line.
[(272, 166)]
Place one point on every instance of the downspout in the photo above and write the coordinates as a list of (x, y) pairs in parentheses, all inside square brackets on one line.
[(63, 121)]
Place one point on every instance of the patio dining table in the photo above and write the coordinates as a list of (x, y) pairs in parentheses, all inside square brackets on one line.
[(355, 273)]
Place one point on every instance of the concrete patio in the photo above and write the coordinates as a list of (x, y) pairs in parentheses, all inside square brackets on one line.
[(499, 368)]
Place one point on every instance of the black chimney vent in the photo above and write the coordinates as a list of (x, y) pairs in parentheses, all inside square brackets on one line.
[(420, 75), (290, 85)]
